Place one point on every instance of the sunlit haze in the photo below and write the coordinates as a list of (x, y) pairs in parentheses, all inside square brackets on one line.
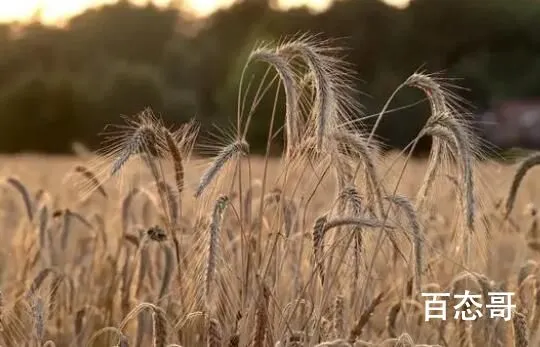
[(54, 11)]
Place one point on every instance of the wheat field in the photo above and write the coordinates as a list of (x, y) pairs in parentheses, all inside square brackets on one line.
[(145, 243)]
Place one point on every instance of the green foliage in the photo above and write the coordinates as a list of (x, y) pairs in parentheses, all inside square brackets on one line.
[(58, 85)]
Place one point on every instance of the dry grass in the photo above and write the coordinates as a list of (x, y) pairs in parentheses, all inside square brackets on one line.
[(330, 245)]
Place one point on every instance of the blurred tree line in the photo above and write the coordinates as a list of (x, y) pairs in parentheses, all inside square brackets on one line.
[(59, 85)]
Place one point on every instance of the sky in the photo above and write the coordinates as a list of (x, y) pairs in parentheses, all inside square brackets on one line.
[(54, 11)]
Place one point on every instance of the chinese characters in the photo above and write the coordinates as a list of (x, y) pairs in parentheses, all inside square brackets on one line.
[(469, 306)]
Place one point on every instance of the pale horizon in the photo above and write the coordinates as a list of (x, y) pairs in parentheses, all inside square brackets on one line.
[(56, 11)]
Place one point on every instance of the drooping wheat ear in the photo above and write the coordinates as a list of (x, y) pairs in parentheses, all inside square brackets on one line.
[(215, 228), (21, 188), (464, 145), (407, 207), (354, 208), (288, 208), (334, 101), (168, 271), (38, 281), (521, 330), (444, 110), (234, 340), (353, 145), (323, 225), (524, 166), (261, 317), (325, 329), (214, 333), (141, 136), (435, 157), (391, 318), (393, 312), (523, 288), (318, 245), (92, 178), (455, 137), (78, 324), (159, 322), (54, 288), (325, 97), (479, 279), (339, 308), (485, 285), (178, 162), (49, 343), (38, 312), (288, 80), (233, 150), (357, 328), (536, 317)]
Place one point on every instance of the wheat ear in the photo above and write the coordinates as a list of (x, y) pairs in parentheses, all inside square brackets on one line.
[(404, 204), (334, 103), (159, 322), (323, 225), (21, 188), (289, 83), (177, 162), (214, 333), (215, 227), (39, 317), (325, 97), (521, 330), (92, 178), (168, 271), (524, 166), (339, 308), (226, 154), (261, 318), (359, 325), (354, 205)]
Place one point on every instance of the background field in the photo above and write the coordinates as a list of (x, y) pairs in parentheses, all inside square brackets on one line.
[(86, 307)]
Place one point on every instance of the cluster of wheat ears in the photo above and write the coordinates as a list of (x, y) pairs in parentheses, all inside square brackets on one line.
[(317, 250)]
